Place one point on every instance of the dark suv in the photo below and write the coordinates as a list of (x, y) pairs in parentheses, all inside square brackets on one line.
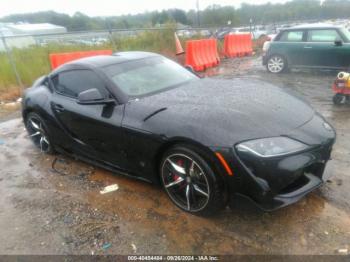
[(314, 46)]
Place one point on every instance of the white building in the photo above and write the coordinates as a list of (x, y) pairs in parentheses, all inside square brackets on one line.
[(4, 31), (35, 29), (22, 35)]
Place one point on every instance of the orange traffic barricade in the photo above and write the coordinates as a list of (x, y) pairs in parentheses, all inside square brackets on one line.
[(58, 59), (238, 45), (202, 54)]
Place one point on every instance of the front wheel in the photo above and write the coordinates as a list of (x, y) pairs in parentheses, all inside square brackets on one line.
[(190, 182), (276, 64)]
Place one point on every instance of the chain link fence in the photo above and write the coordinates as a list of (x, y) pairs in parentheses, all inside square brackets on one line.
[(23, 58)]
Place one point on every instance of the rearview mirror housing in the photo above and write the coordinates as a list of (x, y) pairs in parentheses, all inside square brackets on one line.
[(92, 97)]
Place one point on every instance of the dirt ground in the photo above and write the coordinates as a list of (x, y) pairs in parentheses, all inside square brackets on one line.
[(59, 210)]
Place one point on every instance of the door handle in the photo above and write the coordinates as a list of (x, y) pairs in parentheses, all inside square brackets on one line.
[(58, 108), (308, 47)]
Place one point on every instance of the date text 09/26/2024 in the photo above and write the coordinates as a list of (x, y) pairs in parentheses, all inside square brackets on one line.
[(173, 258)]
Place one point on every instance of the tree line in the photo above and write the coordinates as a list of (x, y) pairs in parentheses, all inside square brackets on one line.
[(214, 15)]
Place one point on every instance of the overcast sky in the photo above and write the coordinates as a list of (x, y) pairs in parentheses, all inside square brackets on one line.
[(109, 7)]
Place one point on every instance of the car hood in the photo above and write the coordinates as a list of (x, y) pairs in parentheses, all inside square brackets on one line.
[(219, 112)]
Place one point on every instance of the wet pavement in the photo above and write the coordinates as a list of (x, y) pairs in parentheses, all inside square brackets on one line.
[(58, 209)]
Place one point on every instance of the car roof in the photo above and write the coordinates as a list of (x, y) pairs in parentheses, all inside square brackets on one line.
[(313, 26), (105, 60)]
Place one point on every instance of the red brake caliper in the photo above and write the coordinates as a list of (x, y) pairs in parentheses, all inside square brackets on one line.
[(180, 163)]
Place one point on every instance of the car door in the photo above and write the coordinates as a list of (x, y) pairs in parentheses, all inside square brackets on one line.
[(290, 44), (321, 50), (95, 129), (343, 49)]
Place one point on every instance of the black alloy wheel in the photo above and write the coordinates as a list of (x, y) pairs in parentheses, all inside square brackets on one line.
[(37, 132), (190, 182)]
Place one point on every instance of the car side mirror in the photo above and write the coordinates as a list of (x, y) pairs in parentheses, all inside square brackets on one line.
[(338, 43), (92, 97)]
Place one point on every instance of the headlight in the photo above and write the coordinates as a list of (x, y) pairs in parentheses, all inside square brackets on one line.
[(270, 147)]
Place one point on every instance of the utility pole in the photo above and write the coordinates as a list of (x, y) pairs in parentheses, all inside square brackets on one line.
[(198, 20)]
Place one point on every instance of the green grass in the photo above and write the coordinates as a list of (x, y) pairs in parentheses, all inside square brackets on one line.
[(33, 61), (161, 41)]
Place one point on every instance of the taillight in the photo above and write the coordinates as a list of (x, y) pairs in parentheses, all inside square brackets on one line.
[(266, 46)]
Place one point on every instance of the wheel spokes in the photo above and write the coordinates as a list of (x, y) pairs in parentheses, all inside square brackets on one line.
[(199, 190), (188, 197), (41, 144), (191, 170), (35, 125), (275, 64), (176, 182), (45, 140), (192, 195), (35, 134), (177, 169)]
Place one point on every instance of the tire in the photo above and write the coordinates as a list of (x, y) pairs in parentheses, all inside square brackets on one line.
[(339, 99), (190, 182), (276, 64), (37, 131)]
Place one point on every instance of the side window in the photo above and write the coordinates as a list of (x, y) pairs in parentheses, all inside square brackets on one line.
[(292, 36), (327, 35), (71, 83)]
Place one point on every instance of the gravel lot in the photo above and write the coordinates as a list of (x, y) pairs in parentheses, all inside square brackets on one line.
[(61, 211)]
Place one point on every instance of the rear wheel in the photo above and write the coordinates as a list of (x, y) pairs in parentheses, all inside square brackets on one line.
[(190, 182), (276, 64), (37, 131), (339, 99)]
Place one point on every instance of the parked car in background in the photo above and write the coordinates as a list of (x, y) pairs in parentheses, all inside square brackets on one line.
[(256, 32), (221, 32), (312, 46), (185, 33), (205, 33)]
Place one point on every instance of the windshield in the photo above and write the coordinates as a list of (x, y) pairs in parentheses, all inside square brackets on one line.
[(346, 33), (147, 76)]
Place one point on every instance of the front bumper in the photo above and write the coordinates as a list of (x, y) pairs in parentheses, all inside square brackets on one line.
[(276, 182), (264, 59), (286, 199), (279, 182)]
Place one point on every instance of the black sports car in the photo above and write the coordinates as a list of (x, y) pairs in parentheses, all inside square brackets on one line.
[(204, 140)]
